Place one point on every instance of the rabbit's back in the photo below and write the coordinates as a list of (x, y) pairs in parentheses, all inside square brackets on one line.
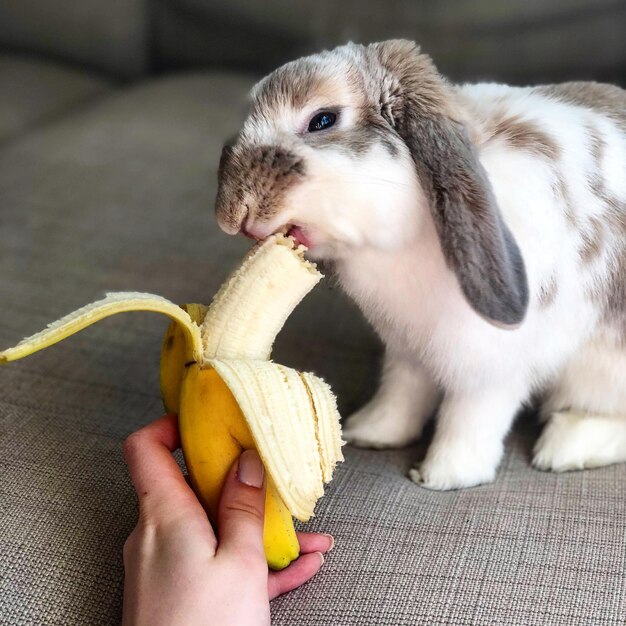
[(556, 156)]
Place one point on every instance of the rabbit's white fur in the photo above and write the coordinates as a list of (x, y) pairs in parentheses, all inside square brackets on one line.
[(369, 214), (487, 372)]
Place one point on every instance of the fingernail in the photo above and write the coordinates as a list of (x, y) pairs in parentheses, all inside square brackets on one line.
[(332, 541), (250, 471), (321, 558)]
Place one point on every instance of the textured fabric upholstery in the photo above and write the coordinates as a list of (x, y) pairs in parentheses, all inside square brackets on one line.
[(33, 92), (119, 197), (532, 549), (109, 36)]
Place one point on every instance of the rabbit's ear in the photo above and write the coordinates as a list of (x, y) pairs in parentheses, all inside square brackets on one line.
[(476, 242)]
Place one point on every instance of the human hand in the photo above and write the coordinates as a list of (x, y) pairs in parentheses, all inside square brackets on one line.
[(176, 570)]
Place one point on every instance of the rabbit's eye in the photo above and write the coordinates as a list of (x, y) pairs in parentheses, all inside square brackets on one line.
[(321, 121)]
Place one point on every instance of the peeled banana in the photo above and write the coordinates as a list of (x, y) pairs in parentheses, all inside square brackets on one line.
[(216, 374)]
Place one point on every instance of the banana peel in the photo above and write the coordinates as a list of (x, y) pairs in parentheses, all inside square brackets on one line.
[(215, 373)]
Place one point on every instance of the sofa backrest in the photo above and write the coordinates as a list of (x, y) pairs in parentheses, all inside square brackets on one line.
[(509, 40), (110, 36)]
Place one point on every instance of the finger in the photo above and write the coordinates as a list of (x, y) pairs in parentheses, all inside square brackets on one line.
[(160, 485), (301, 570), (242, 508), (315, 542)]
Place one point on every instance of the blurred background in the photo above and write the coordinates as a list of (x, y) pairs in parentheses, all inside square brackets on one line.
[(44, 43), (503, 40)]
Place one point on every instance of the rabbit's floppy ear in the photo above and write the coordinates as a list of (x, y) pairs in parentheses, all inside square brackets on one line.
[(476, 242)]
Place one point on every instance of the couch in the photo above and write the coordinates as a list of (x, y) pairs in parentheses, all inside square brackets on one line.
[(112, 117)]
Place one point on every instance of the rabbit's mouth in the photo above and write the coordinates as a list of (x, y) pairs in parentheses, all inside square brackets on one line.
[(300, 235), (299, 232)]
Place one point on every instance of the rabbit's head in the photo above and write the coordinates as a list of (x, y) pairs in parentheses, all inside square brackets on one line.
[(358, 147)]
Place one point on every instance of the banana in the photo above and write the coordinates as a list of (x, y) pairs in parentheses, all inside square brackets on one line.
[(216, 374)]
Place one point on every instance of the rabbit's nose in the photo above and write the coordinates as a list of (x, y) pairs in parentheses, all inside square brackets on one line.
[(229, 220)]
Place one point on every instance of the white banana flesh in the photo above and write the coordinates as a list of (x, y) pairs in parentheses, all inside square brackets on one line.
[(253, 303)]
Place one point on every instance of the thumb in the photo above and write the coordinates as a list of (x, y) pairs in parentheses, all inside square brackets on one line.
[(242, 507)]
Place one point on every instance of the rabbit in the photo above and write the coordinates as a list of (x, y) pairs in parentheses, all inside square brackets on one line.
[(480, 228)]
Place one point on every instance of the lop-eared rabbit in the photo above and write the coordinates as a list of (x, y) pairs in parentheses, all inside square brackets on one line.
[(480, 228)]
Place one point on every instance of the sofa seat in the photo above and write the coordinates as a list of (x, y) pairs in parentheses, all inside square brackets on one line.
[(118, 196)]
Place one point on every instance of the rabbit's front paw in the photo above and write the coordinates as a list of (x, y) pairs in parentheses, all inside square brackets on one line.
[(455, 466)]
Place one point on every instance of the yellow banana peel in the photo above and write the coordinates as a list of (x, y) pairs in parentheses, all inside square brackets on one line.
[(216, 374)]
